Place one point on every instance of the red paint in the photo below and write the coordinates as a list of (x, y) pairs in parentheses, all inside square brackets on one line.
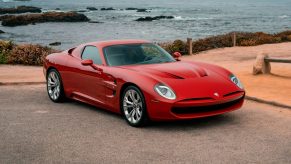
[(194, 83)]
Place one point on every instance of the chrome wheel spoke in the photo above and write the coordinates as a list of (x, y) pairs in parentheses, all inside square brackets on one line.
[(137, 98), (127, 101), (131, 95), (138, 113), (140, 104), (51, 83), (132, 116), (128, 106)]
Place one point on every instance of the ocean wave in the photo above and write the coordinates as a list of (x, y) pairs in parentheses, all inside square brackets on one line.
[(14, 0), (191, 18), (283, 16)]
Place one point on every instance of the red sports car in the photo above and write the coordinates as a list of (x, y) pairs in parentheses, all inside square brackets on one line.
[(141, 81)]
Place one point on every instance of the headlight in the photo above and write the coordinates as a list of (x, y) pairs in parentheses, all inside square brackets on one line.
[(236, 81), (165, 91)]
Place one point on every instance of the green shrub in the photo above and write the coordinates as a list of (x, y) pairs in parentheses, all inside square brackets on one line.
[(5, 50)]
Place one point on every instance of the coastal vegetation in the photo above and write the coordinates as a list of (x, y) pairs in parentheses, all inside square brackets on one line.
[(226, 40), (28, 54)]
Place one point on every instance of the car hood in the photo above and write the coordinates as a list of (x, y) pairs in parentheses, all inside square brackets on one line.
[(189, 79), (174, 70)]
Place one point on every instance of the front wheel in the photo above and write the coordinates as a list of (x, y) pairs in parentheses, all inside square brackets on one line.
[(55, 86), (133, 107)]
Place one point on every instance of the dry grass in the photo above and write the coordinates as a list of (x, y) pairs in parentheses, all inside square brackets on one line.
[(177, 45), (29, 54), (26, 54)]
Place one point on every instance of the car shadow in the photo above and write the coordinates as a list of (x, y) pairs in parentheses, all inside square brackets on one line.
[(94, 108), (206, 122)]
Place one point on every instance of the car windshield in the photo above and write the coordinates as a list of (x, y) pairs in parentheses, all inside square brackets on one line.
[(131, 54)]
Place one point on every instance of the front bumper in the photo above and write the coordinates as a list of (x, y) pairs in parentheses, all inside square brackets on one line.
[(195, 107)]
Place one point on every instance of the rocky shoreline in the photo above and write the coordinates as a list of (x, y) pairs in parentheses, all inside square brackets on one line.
[(19, 20), (30, 15), (20, 10)]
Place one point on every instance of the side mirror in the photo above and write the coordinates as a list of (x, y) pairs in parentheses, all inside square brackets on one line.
[(87, 62), (177, 55)]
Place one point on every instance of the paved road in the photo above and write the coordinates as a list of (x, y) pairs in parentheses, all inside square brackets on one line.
[(35, 130)]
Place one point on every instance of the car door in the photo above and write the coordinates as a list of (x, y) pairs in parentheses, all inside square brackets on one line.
[(89, 78)]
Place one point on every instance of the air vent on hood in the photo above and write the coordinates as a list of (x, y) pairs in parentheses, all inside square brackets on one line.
[(202, 72), (173, 76)]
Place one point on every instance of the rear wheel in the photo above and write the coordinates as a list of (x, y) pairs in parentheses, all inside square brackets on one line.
[(133, 107), (55, 86)]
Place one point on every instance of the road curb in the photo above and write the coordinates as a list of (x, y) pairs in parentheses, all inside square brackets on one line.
[(273, 103), (21, 83)]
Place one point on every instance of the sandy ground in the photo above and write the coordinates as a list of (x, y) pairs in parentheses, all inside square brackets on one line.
[(33, 129), (20, 74), (240, 60)]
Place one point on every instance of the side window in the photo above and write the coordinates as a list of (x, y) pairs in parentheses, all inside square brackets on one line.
[(91, 52)]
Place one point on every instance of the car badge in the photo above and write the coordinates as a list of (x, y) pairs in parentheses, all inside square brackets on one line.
[(216, 94)]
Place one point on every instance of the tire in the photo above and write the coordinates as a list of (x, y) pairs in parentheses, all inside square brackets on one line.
[(54, 85), (134, 110)]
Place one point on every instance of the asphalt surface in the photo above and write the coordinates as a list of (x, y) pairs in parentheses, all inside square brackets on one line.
[(35, 130)]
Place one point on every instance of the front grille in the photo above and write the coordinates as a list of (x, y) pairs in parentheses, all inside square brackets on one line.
[(233, 93), (204, 109)]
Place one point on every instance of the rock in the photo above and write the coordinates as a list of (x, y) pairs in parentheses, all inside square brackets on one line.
[(91, 8), (55, 44), (164, 17), (154, 18), (141, 10), (80, 11), (5, 17), (131, 8), (57, 9), (18, 20), (95, 22), (109, 8), (20, 9), (2, 32), (260, 66), (145, 19)]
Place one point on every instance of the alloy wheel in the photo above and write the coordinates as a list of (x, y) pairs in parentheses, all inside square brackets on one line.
[(53, 85), (132, 106)]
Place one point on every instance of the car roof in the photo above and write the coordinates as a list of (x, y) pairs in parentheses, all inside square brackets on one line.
[(116, 42)]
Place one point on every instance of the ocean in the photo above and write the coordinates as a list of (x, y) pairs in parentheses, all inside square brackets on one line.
[(192, 18)]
